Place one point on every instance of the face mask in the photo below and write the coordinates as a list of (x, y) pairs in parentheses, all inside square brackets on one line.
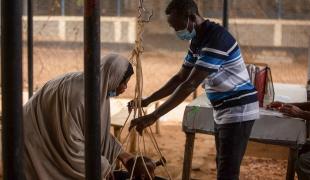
[(185, 34), (112, 93)]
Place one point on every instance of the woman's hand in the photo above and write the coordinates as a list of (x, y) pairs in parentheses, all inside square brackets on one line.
[(292, 111), (275, 105)]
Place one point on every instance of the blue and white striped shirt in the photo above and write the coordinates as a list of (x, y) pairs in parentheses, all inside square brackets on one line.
[(228, 86)]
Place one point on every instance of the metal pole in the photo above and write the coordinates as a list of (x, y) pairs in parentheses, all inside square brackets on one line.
[(119, 8), (308, 89), (225, 14), (308, 82), (12, 111), (279, 3), (63, 7), (92, 85), (30, 49)]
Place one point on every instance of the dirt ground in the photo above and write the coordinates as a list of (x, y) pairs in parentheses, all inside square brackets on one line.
[(262, 161), (158, 67)]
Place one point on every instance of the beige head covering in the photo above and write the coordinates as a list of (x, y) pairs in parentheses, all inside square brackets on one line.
[(54, 124)]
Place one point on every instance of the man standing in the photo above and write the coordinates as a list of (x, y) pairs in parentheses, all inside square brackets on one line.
[(214, 58)]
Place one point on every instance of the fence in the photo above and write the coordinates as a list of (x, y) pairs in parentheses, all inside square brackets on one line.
[(70, 28)]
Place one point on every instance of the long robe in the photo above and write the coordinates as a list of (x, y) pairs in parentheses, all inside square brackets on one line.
[(54, 124)]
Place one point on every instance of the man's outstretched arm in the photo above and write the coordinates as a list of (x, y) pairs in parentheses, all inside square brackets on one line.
[(165, 90), (170, 86), (182, 92), (195, 78)]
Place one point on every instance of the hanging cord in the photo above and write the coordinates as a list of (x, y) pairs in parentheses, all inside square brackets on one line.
[(162, 159), (135, 59), (142, 157)]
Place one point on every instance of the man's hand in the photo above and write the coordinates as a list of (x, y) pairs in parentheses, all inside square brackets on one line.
[(275, 105), (132, 104), (143, 122), (292, 111)]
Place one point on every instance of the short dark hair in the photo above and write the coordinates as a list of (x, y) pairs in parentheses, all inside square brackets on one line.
[(182, 8)]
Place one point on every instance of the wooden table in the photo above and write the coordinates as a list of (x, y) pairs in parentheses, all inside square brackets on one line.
[(271, 128)]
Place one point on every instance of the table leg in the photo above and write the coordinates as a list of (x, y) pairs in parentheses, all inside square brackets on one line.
[(157, 122), (117, 131), (188, 156), (290, 173)]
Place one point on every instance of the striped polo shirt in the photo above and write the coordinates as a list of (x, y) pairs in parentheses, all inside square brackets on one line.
[(228, 86)]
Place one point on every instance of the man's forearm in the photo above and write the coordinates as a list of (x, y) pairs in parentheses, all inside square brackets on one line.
[(166, 90), (180, 94), (195, 78)]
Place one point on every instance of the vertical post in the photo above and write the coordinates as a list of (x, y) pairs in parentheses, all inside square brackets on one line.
[(279, 4), (290, 173), (30, 48), (188, 155), (92, 89), (308, 88), (63, 7), (11, 64), (225, 14), (119, 8), (308, 82), (157, 122)]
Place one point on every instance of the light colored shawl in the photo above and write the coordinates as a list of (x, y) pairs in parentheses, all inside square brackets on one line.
[(54, 124)]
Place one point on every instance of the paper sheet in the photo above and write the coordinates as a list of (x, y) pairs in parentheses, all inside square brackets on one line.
[(270, 113)]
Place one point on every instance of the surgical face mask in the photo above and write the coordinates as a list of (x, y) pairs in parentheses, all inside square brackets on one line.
[(112, 93), (185, 34)]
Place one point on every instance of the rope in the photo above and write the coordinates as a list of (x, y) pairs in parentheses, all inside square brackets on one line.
[(142, 157), (135, 60), (155, 144)]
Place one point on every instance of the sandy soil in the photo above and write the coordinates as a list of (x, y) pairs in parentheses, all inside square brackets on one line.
[(158, 67), (262, 162)]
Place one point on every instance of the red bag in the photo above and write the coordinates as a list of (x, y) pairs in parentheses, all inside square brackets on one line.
[(260, 76)]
